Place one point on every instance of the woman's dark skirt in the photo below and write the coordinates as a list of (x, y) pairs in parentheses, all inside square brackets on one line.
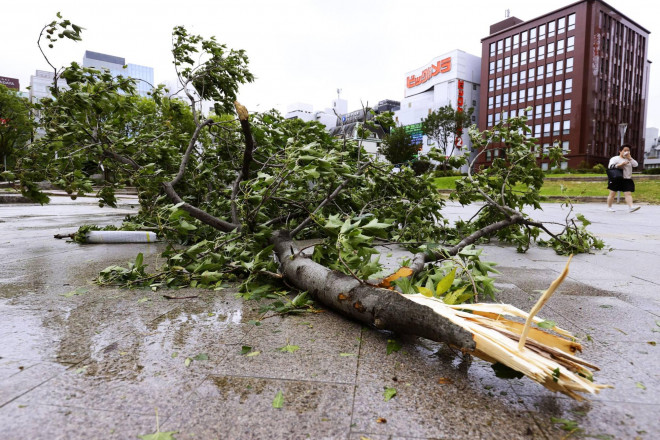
[(623, 185)]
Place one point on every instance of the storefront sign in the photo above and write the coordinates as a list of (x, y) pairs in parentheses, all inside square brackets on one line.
[(458, 140), (11, 83), (442, 66), (415, 132)]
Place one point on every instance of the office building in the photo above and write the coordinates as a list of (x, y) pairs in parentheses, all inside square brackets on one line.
[(583, 72), (118, 67)]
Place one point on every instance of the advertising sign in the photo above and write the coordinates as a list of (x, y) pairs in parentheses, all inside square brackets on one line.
[(442, 66), (11, 83)]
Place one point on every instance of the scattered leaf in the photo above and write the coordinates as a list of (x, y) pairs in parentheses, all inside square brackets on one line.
[(547, 324), (253, 353), (141, 300), (618, 329), (289, 348), (175, 354), (605, 306), (169, 435), (278, 401), (201, 357), (78, 291), (187, 362), (381, 420), (253, 322), (652, 343), (445, 283), (424, 291), (392, 346), (640, 385), (346, 354), (245, 349), (389, 393), (555, 374), (444, 380), (567, 425)]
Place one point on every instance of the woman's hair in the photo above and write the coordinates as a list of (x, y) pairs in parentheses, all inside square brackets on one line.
[(624, 146)]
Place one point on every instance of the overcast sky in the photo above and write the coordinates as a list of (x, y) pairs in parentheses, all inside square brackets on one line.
[(299, 50)]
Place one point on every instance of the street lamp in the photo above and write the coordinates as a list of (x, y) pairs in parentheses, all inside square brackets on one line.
[(622, 130)]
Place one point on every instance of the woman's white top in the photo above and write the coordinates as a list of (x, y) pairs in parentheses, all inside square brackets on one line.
[(627, 168)]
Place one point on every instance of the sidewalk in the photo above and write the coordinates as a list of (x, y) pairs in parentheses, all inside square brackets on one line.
[(79, 361)]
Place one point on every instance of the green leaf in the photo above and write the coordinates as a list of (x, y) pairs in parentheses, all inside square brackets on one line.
[(568, 425), (556, 374), (139, 260), (547, 324), (278, 401), (640, 385), (392, 346), (245, 349), (457, 296), (143, 299), (187, 362), (289, 348), (201, 357), (175, 354), (445, 283), (78, 291), (346, 354), (389, 393), (253, 353)]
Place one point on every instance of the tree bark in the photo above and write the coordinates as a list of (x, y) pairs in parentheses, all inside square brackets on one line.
[(382, 308)]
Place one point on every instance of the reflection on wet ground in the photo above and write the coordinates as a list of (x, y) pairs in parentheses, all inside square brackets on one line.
[(82, 361)]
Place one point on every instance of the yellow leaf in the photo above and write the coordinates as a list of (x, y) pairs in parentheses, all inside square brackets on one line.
[(402, 272), (424, 291)]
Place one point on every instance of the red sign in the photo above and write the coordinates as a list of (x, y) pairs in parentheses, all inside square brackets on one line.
[(10, 83), (442, 66), (459, 107)]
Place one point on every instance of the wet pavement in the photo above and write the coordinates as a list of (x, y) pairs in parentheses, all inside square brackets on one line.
[(80, 361)]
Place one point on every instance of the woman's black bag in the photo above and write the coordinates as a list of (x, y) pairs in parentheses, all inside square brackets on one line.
[(614, 173)]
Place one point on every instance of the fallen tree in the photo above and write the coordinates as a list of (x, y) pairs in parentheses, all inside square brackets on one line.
[(236, 189)]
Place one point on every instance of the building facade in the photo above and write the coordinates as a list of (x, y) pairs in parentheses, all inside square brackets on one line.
[(118, 67), (577, 73), (449, 79)]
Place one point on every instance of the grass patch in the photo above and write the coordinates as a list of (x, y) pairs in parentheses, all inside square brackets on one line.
[(645, 190)]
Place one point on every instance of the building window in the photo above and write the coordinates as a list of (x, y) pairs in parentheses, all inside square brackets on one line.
[(491, 85), (544, 166), (474, 87), (570, 45), (491, 68), (523, 58), (507, 63), (532, 55), (569, 65), (530, 94), (505, 115), (516, 41), (523, 38), (492, 49), (542, 32), (488, 155), (497, 118), (571, 22), (561, 25), (569, 86), (530, 73), (548, 90), (507, 44), (530, 115), (557, 111), (560, 46), (567, 106), (514, 79), (490, 102), (514, 97), (523, 77), (546, 147), (555, 128), (506, 81), (500, 47), (505, 101), (537, 131), (539, 92), (522, 95), (558, 87), (551, 29), (566, 147), (499, 65), (540, 70), (532, 35), (499, 83), (541, 52), (548, 110), (548, 70), (474, 103), (498, 100), (559, 67), (514, 60), (539, 112), (567, 127), (551, 49), (546, 132)]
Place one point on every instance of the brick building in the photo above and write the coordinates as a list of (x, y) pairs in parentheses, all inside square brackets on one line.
[(582, 69)]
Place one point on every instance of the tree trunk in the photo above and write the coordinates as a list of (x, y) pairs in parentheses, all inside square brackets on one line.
[(382, 308)]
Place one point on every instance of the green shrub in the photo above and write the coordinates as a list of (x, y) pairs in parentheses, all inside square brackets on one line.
[(420, 166), (599, 168), (651, 171)]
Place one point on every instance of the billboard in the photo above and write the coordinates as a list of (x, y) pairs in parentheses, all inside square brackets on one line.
[(11, 83)]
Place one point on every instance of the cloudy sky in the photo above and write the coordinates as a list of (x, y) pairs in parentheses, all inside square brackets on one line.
[(299, 50)]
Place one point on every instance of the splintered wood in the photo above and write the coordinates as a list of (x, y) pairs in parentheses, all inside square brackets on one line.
[(547, 358)]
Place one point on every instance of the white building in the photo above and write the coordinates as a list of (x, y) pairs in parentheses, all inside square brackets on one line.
[(651, 149), (118, 67), (453, 78), (327, 116), (40, 84)]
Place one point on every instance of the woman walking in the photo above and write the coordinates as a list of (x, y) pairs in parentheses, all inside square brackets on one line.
[(626, 163)]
